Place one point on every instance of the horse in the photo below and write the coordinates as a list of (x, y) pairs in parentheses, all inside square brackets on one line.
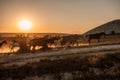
[(13, 45), (52, 40), (94, 36), (2, 43), (70, 40), (41, 42)]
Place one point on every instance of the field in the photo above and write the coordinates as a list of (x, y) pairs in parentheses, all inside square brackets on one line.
[(95, 61)]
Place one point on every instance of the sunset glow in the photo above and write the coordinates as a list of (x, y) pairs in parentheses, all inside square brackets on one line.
[(25, 25), (56, 16)]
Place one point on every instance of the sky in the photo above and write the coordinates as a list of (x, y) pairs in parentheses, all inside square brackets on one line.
[(57, 16)]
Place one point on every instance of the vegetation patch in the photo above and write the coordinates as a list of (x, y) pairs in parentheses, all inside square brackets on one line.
[(98, 66)]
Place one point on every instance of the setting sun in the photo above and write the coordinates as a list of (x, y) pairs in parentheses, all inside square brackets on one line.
[(25, 25)]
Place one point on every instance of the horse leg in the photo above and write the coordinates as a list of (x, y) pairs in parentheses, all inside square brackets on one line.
[(29, 47), (45, 47), (33, 49), (1, 50), (98, 40), (77, 44), (89, 41), (11, 49)]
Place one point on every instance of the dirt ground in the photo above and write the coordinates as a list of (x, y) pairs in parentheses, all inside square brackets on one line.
[(20, 59)]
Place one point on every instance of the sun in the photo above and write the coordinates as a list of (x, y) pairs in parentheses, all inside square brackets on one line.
[(25, 25)]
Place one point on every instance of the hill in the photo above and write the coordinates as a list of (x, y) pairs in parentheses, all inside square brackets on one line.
[(107, 28)]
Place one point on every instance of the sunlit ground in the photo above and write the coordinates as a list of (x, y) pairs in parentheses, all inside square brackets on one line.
[(8, 50), (104, 41)]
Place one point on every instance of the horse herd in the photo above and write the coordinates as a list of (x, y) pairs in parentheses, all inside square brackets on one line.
[(46, 42)]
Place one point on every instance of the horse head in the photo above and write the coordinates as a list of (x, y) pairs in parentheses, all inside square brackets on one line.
[(103, 33), (5, 42)]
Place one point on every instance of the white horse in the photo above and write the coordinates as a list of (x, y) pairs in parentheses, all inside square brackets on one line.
[(14, 45)]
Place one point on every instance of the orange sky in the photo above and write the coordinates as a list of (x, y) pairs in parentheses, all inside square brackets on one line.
[(57, 16)]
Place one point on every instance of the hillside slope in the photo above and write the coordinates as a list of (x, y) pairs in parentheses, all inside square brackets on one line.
[(107, 28)]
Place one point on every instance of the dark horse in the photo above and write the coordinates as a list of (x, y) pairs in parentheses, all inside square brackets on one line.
[(94, 36), (42, 42), (3, 42), (71, 39)]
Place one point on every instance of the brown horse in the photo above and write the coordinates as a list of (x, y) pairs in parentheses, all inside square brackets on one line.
[(71, 39), (42, 42), (14, 45), (94, 36)]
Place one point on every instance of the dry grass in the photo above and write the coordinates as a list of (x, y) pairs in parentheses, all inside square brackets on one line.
[(90, 67)]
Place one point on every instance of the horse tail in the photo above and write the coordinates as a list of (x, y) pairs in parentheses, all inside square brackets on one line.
[(9, 46), (30, 44), (86, 36)]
